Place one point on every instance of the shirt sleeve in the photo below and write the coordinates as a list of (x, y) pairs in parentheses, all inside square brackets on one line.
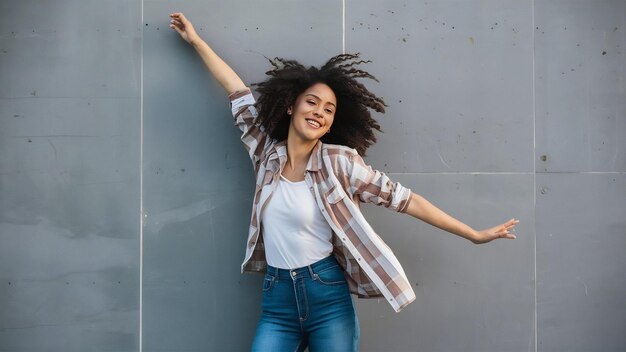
[(373, 186), (254, 137)]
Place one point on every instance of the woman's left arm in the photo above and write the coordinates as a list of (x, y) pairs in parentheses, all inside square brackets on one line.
[(422, 209)]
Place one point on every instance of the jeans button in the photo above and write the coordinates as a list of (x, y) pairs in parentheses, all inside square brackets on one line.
[(293, 273)]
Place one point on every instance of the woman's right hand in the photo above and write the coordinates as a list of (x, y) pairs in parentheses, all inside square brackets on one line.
[(182, 25)]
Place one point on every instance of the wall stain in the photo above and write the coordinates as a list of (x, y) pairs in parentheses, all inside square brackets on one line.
[(53, 148)]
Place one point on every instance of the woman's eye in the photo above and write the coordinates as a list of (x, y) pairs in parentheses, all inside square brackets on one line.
[(329, 111), (311, 102)]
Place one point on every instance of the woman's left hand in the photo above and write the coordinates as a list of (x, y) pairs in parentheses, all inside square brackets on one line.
[(501, 231)]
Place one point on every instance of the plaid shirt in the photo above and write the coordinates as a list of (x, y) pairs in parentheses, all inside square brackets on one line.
[(339, 179)]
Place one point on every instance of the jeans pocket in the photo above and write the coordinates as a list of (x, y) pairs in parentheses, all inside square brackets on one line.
[(330, 276), (268, 282)]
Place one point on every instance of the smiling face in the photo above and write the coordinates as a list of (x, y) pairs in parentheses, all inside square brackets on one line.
[(312, 113)]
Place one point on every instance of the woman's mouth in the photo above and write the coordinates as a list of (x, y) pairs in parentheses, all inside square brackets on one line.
[(313, 123)]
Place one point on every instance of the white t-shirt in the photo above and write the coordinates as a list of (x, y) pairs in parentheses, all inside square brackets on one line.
[(295, 232)]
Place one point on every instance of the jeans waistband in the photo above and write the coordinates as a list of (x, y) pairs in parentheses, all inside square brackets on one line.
[(305, 271)]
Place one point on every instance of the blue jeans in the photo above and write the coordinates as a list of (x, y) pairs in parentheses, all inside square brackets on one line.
[(309, 306)]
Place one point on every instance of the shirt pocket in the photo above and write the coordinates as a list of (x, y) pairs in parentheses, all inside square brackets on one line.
[(334, 195)]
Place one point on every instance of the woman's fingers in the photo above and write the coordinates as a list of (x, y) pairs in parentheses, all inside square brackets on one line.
[(182, 25), (179, 17), (509, 235), (509, 228), (178, 25), (513, 222), (176, 29), (510, 224), (178, 20)]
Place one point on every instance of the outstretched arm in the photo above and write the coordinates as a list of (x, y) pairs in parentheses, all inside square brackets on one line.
[(225, 75), (422, 209), (373, 186)]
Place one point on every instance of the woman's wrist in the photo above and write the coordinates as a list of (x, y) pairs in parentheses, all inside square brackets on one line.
[(196, 41), (472, 235)]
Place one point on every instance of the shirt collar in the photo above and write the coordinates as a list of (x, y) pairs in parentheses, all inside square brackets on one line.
[(316, 156), (314, 159)]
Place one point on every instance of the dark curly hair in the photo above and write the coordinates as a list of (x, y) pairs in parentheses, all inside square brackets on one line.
[(353, 124)]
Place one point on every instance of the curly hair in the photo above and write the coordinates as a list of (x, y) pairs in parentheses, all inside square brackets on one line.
[(353, 124)]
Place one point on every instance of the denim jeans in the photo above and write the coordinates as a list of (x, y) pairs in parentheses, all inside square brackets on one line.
[(309, 306)]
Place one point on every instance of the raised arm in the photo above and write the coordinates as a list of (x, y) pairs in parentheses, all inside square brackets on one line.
[(253, 136), (224, 75)]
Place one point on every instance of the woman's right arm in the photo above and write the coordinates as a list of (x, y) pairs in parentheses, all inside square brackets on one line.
[(225, 75), (253, 136)]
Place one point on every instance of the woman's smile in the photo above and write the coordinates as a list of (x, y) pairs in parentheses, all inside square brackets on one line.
[(315, 124)]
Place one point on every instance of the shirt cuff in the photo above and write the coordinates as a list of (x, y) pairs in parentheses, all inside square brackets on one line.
[(239, 93), (404, 204)]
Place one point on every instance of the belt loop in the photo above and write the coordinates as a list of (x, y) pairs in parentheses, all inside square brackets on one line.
[(311, 271), (273, 271)]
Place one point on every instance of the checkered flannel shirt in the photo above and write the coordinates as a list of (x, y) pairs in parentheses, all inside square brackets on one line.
[(339, 180)]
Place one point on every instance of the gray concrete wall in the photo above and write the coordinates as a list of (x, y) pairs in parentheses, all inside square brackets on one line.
[(125, 192), (69, 175)]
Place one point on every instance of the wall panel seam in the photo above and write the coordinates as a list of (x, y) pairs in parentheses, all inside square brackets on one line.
[(141, 210), (343, 26), (532, 29)]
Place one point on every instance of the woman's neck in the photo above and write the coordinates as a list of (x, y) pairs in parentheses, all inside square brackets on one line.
[(298, 153)]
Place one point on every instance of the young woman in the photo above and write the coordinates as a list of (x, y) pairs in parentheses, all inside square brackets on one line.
[(305, 136)]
